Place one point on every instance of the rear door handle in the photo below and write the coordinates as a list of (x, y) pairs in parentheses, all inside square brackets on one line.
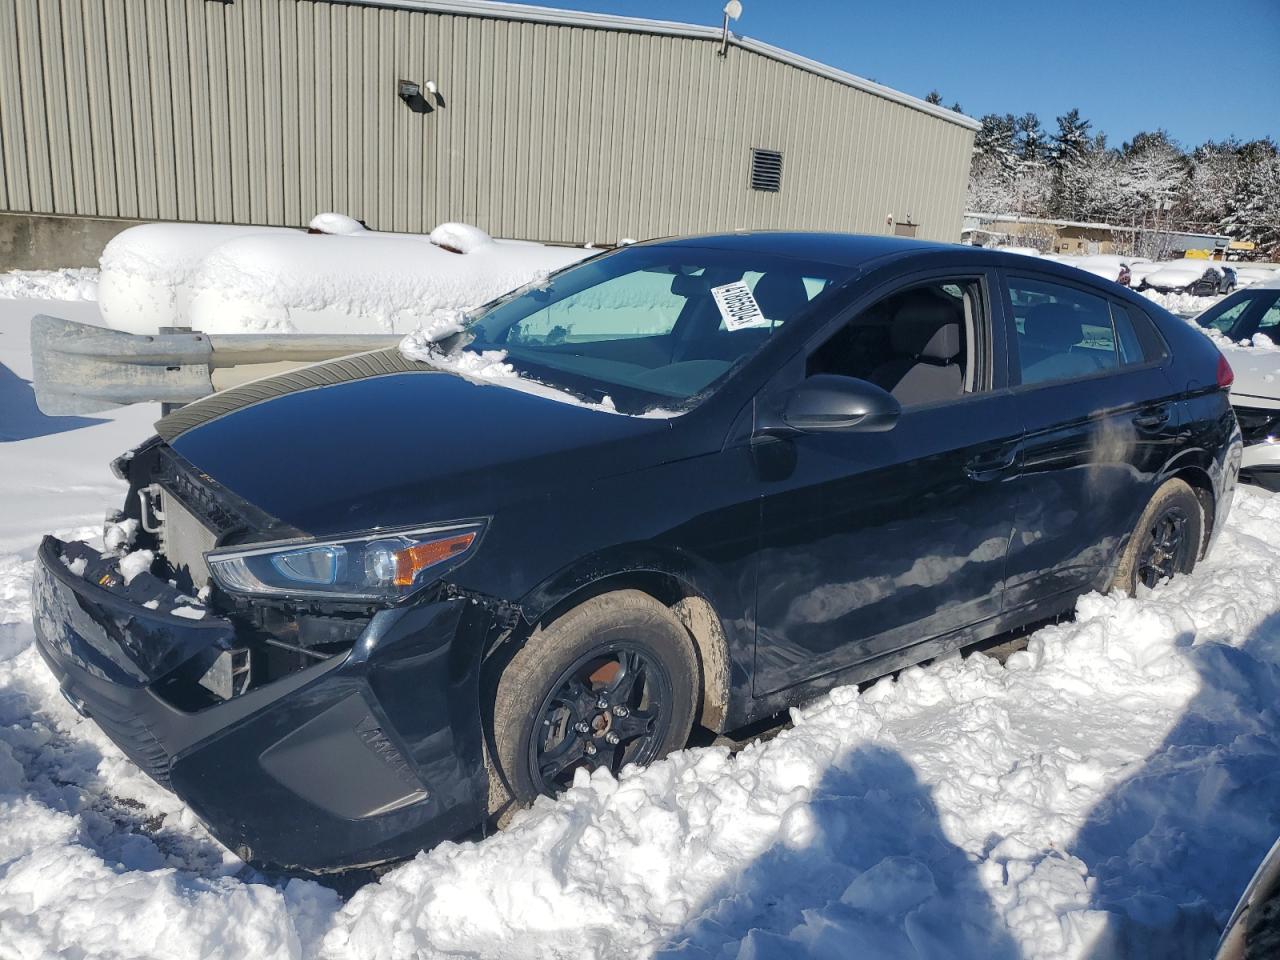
[(1150, 419), (989, 466)]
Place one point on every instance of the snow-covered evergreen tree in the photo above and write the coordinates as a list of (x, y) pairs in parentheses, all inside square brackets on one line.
[(1150, 182), (1072, 141)]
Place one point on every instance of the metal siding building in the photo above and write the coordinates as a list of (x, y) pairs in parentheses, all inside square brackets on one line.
[(552, 125)]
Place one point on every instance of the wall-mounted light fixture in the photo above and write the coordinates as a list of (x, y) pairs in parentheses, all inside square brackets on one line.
[(411, 94)]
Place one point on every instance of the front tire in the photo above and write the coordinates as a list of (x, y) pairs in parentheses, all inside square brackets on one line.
[(612, 682), (1166, 540)]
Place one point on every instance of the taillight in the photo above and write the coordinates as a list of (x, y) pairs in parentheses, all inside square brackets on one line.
[(1226, 376)]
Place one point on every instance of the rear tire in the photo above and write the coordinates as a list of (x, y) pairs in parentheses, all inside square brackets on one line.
[(1167, 539), (612, 682)]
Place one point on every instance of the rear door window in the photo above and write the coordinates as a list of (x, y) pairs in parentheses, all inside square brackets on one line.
[(1064, 333)]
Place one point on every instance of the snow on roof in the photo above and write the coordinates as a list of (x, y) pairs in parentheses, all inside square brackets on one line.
[(609, 21)]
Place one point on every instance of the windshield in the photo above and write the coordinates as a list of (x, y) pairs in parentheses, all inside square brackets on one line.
[(1226, 317), (651, 326)]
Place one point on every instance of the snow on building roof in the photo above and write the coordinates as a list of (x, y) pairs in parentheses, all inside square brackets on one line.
[(1047, 221), (609, 21)]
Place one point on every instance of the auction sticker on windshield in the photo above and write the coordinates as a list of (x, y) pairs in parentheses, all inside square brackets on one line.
[(738, 308)]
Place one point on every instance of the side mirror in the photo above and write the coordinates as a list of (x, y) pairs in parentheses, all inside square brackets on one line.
[(830, 402)]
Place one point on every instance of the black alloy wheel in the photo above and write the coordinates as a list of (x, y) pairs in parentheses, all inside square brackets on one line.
[(612, 682), (610, 708), (1165, 547)]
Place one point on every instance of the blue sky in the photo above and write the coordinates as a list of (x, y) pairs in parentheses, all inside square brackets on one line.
[(1197, 68)]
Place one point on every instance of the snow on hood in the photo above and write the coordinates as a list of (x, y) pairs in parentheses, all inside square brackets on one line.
[(1255, 363)]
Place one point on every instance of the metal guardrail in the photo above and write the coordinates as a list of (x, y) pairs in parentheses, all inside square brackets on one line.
[(79, 368)]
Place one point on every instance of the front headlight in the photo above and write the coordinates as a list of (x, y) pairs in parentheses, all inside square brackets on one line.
[(387, 565)]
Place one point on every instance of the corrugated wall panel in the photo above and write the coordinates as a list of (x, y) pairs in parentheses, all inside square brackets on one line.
[(291, 92), (17, 189), (269, 111), (164, 112), (32, 102), (221, 172), (181, 94), (83, 182), (56, 119), (199, 163)]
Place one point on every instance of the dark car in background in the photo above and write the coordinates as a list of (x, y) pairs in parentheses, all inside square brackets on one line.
[(1193, 277), (387, 598)]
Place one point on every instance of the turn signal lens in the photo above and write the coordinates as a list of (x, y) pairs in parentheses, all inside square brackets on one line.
[(413, 560), (1226, 376)]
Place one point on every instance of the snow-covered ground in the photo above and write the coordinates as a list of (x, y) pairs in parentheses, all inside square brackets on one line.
[(1106, 793)]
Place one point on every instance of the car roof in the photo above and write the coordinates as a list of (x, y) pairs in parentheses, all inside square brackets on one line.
[(853, 249), (849, 249)]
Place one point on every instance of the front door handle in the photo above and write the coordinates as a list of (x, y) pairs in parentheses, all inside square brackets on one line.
[(989, 466), (1152, 418)]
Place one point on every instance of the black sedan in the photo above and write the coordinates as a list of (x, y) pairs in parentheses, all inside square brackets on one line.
[(686, 482)]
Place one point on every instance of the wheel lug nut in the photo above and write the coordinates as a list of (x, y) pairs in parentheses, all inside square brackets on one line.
[(611, 738), (620, 711), (590, 750), (582, 727)]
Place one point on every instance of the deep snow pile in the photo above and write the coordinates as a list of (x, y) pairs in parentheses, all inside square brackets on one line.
[(69, 283), (1183, 304), (1105, 794)]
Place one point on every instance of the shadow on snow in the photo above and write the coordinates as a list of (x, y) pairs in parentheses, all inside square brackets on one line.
[(1188, 829), (21, 419), (875, 877)]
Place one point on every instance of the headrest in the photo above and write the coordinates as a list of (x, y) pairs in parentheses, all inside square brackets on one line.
[(926, 328), (1053, 325), (780, 296), (944, 345)]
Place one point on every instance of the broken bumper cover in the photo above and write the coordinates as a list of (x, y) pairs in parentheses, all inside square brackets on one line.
[(360, 759)]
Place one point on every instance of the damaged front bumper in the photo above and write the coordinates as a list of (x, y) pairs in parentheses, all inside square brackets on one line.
[(362, 758)]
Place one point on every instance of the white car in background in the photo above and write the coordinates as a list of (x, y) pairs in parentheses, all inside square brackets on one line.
[(1246, 327)]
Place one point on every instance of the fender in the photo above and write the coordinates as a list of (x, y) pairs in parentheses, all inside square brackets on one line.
[(718, 614)]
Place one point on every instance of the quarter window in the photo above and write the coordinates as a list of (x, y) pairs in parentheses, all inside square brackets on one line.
[(1064, 333), (1126, 336)]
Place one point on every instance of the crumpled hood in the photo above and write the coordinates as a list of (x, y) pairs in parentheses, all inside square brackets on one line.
[(406, 447)]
